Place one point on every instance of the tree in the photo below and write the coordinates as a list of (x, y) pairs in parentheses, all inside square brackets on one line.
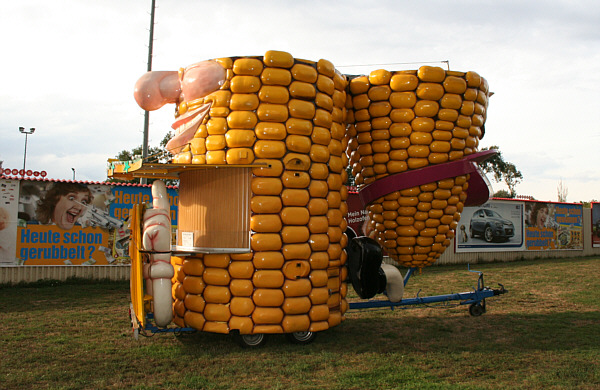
[(502, 194), (156, 154), (503, 171), (562, 191)]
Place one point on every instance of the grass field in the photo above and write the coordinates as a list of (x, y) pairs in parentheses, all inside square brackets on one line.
[(545, 333)]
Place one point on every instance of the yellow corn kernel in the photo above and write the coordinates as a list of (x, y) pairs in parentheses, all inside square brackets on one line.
[(359, 85), (296, 305), (326, 68), (265, 223), (305, 73), (272, 112), (198, 146), (296, 251), (239, 156), (324, 101), (379, 93), (423, 124), (297, 288), (216, 126), (400, 129), (301, 109), (241, 306), (245, 84), (265, 242), (433, 74), (379, 77), (430, 91), (216, 276), (276, 76), (267, 315), (448, 114), (302, 90), (243, 101), (278, 59), (274, 94), (426, 108), (403, 99), (216, 157), (451, 100), (266, 185), (319, 153), (269, 149), (418, 162), (216, 294), (265, 204), (325, 84), (219, 98), (295, 179), (268, 260), (268, 278), (247, 66), (473, 79), (240, 138), (215, 142), (242, 120), (268, 297), (295, 216), (216, 260), (194, 319), (401, 82), (270, 131), (453, 84), (402, 115)]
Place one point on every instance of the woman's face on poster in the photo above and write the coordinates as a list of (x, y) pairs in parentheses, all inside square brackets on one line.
[(69, 208), (542, 216)]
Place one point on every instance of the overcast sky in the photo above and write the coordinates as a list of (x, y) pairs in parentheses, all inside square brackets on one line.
[(68, 69)]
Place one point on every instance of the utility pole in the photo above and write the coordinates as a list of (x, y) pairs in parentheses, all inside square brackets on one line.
[(147, 113)]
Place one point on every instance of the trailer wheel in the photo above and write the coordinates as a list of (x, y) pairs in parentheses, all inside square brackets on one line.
[(250, 340), (476, 309), (301, 337)]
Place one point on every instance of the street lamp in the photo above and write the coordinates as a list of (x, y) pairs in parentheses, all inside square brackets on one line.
[(26, 132), (73, 169)]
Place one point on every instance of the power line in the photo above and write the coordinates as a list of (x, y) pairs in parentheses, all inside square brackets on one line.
[(447, 62)]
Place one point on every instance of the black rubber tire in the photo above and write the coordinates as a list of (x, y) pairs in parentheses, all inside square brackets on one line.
[(301, 337), (488, 234), (250, 340), (476, 309)]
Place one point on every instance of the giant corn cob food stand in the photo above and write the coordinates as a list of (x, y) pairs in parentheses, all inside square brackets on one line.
[(261, 149)]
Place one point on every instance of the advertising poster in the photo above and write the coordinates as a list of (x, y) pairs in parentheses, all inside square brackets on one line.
[(596, 225), (553, 226), (70, 223), (9, 205), (493, 226), (356, 213)]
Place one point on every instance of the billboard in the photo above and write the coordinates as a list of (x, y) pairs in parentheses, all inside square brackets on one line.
[(68, 223), (553, 226), (596, 225), (493, 226), (502, 225)]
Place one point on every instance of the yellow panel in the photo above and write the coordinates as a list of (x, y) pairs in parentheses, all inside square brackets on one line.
[(137, 280)]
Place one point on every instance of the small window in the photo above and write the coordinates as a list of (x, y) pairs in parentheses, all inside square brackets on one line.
[(214, 210)]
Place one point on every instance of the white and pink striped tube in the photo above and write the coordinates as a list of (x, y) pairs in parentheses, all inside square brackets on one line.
[(157, 237)]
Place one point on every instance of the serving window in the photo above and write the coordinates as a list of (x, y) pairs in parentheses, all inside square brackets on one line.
[(214, 210)]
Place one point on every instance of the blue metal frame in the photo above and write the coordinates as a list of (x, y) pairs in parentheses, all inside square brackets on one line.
[(477, 296), (155, 329)]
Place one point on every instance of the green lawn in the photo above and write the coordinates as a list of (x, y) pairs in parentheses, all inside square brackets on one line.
[(545, 333)]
